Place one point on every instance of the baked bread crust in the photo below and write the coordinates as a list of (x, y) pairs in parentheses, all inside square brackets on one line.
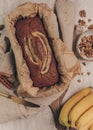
[(38, 55), (62, 53)]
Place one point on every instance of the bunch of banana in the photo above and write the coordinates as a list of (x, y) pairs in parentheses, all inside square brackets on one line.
[(77, 112)]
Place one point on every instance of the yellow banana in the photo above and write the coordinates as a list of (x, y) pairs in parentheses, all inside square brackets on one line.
[(80, 108), (87, 126), (63, 117), (86, 117), (91, 127)]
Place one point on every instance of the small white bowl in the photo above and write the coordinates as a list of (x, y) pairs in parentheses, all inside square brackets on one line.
[(86, 33)]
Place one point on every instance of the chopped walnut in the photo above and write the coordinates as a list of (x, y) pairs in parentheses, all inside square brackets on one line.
[(86, 46), (82, 13), (81, 22), (88, 73), (89, 20), (84, 39), (79, 80), (90, 27), (84, 63)]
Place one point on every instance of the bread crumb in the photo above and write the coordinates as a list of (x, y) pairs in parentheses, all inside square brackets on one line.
[(82, 13)]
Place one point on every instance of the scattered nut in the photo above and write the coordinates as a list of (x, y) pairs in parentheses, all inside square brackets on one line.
[(90, 27), (88, 73), (89, 20), (2, 27), (84, 63), (78, 80), (82, 13), (81, 22)]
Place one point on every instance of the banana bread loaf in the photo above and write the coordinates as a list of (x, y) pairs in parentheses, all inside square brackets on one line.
[(37, 52)]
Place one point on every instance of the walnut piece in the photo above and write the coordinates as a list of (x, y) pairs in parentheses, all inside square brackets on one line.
[(84, 63), (90, 27), (82, 13), (81, 22), (88, 73), (78, 80)]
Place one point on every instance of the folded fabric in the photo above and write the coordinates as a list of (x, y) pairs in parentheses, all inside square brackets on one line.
[(66, 16), (6, 65)]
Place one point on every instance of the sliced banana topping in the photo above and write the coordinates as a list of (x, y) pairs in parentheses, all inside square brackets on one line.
[(34, 56)]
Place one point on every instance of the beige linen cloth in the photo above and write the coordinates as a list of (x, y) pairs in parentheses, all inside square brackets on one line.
[(66, 11), (10, 110)]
